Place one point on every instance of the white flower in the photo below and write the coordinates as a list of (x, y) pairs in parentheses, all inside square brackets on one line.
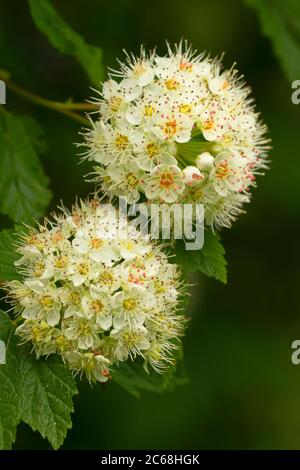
[(181, 110), (82, 270), (130, 343), (126, 180), (90, 242), (172, 128), (131, 306), (150, 152), (231, 174), (165, 182), (97, 307), (106, 298)]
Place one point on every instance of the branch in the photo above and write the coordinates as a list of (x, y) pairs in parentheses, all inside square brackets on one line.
[(67, 108)]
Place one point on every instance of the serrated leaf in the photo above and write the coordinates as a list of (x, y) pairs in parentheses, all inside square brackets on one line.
[(23, 184), (280, 22), (134, 379), (48, 388), (210, 259), (67, 41), (10, 398), (39, 392), (8, 255)]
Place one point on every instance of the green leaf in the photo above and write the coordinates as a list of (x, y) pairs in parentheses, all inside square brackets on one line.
[(23, 184), (10, 398), (66, 40), (48, 388), (210, 259), (8, 255), (39, 392), (280, 22), (133, 377)]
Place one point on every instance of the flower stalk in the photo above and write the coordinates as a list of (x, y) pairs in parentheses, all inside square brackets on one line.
[(68, 108)]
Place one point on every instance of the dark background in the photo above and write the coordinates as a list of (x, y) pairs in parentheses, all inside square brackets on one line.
[(244, 391)]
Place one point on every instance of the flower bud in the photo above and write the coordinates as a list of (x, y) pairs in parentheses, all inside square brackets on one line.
[(192, 175), (205, 161)]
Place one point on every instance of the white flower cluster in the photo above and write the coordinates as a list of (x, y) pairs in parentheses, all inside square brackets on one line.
[(96, 298), (178, 129)]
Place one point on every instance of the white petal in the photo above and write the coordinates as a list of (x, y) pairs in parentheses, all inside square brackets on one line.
[(134, 115), (109, 89), (146, 77), (53, 318), (81, 245)]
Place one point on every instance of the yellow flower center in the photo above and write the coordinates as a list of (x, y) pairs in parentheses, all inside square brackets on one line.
[(185, 65), (122, 142), (172, 84), (149, 111), (57, 237), (138, 69), (170, 128), (159, 287), (227, 139), (83, 269), (222, 170), (106, 278), (132, 180), (47, 301), (152, 150), (115, 103), (75, 298), (61, 343), (35, 241), (129, 339), (129, 304), (96, 243), (61, 262), (128, 244), (84, 328), (97, 306), (39, 269), (185, 108), (38, 332), (208, 124), (166, 180)]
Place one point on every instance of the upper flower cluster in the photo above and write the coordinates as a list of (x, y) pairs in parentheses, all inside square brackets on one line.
[(178, 129), (96, 292)]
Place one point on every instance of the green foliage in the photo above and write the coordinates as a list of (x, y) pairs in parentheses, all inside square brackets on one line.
[(133, 377), (10, 399), (23, 184), (66, 40), (38, 392), (8, 255), (48, 388), (210, 260), (280, 21)]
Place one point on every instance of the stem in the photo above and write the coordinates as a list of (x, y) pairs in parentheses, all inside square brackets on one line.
[(65, 108)]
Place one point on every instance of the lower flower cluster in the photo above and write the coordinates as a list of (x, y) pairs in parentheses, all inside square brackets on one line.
[(97, 292)]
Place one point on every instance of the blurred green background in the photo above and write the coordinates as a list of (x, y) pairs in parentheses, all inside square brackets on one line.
[(244, 392)]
